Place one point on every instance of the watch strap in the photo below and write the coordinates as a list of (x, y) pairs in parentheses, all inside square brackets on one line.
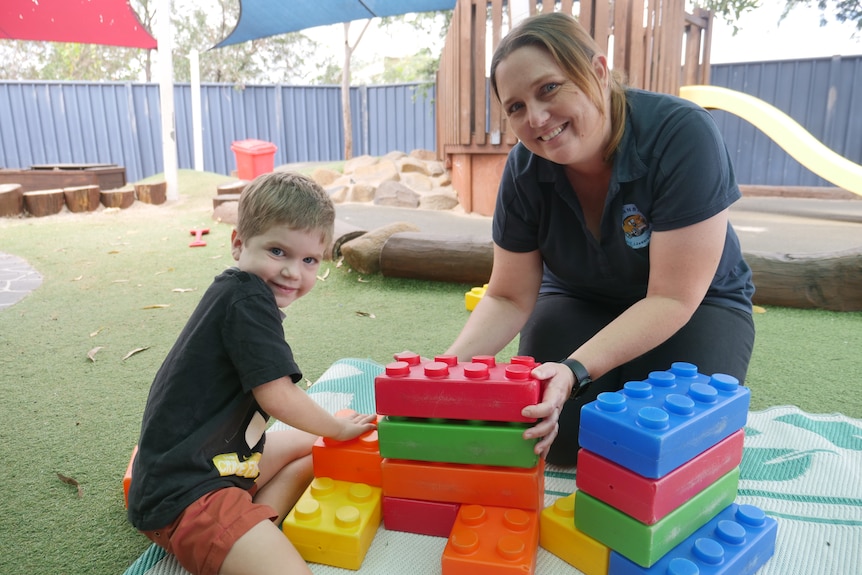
[(582, 376)]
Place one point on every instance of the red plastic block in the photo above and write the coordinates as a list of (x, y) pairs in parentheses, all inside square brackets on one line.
[(127, 478), (480, 484), (357, 460), (492, 541), (434, 518), (445, 388), (650, 500)]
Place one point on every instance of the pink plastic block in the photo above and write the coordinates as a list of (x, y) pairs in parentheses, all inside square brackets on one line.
[(492, 541), (649, 500), (445, 388), (434, 518), (654, 426)]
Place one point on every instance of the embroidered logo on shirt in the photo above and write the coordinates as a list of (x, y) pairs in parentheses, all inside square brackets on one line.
[(636, 227)]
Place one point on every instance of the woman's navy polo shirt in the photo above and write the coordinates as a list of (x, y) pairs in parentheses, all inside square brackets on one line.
[(671, 170)]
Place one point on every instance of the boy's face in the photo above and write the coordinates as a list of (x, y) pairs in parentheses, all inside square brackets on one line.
[(285, 258)]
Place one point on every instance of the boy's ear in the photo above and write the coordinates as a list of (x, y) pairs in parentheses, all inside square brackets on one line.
[(235, 245)]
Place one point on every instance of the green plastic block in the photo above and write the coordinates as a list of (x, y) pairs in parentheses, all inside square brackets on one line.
[(646, 544), (453, 441)]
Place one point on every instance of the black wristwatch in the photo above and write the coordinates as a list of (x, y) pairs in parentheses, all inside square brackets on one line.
[(582, 376)]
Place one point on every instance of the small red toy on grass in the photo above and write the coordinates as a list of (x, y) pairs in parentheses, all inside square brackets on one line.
[(198, 233)]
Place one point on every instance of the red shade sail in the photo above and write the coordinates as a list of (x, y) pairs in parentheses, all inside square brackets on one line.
[(106, 22)]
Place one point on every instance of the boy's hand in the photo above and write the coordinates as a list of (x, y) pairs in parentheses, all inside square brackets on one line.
[(353, 425)]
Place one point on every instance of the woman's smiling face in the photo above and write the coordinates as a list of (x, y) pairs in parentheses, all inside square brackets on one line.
[(551, 116)]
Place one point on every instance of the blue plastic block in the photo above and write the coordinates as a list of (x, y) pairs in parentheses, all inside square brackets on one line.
[(738, 541), (652, 427)]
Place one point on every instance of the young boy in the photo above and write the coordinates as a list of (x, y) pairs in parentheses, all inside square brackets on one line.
[(204, 488)]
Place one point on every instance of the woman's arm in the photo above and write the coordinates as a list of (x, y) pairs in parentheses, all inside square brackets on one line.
[(504, 309), (683, 263)]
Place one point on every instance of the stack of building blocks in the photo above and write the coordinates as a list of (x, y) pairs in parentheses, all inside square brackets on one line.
[(336, 518), (658, 473), (452, 447)]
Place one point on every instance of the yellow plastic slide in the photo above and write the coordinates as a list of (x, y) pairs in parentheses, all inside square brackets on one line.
[(783, 130)]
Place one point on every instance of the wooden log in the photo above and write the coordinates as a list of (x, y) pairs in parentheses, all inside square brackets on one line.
[(831, 280), (224, 198), (155, 193), (11, 200), (82, 198), (440, 257), (344, 232), (44, 202), (232, 187), (120, 198)]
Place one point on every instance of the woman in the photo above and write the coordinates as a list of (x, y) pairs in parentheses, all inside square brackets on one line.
[(613, 252)]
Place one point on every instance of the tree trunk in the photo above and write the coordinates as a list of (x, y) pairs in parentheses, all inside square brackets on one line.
[(458, 259), (121, 198), (831, 281), (82, 198), (153, 193), (44, 202), (11, 200), (345, 96)]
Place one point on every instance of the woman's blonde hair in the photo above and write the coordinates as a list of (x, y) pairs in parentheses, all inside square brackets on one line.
[(572, 48)]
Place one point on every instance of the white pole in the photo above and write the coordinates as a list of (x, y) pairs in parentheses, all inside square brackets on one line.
[(197, 122), (166, 96)]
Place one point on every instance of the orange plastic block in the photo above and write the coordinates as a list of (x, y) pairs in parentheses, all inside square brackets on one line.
[(559, 536), (357, 460), (334, 522), (492, 541), (127, 478), (455, 483)]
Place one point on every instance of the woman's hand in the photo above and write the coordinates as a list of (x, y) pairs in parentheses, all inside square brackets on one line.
[(558, 381)]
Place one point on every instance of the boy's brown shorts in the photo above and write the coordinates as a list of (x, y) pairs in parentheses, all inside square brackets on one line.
[(202, 535)]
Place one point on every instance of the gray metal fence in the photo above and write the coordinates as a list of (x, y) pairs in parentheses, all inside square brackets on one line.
[(119, 123)]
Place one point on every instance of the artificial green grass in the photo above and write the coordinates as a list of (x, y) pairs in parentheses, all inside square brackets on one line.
[(107, 279)]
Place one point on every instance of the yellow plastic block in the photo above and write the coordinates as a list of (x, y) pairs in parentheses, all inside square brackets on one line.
[(559, 536), (472, 297), (334, 522)]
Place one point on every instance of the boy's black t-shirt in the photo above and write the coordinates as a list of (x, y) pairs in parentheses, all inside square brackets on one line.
[(202, 428)]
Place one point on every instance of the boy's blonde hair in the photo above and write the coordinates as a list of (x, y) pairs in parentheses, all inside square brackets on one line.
[(285, 198)]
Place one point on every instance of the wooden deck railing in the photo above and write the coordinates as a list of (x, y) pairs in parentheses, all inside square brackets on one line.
[(654, 42)]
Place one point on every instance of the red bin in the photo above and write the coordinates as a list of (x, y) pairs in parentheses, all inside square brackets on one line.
[(253, 158)]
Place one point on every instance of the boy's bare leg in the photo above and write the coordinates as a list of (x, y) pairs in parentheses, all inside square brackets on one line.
[(285, 470), (264, 550)]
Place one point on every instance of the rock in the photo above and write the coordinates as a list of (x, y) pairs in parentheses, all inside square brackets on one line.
[(325, 176), (382, 171), (396, 194), (417, 182), (426, 155), (411, 164), (225, 213), (362, 192), (439, 199), (363, 253), (338, 194), (352, 164)]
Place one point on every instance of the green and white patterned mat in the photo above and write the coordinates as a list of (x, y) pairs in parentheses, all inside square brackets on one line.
[(804, 470)]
